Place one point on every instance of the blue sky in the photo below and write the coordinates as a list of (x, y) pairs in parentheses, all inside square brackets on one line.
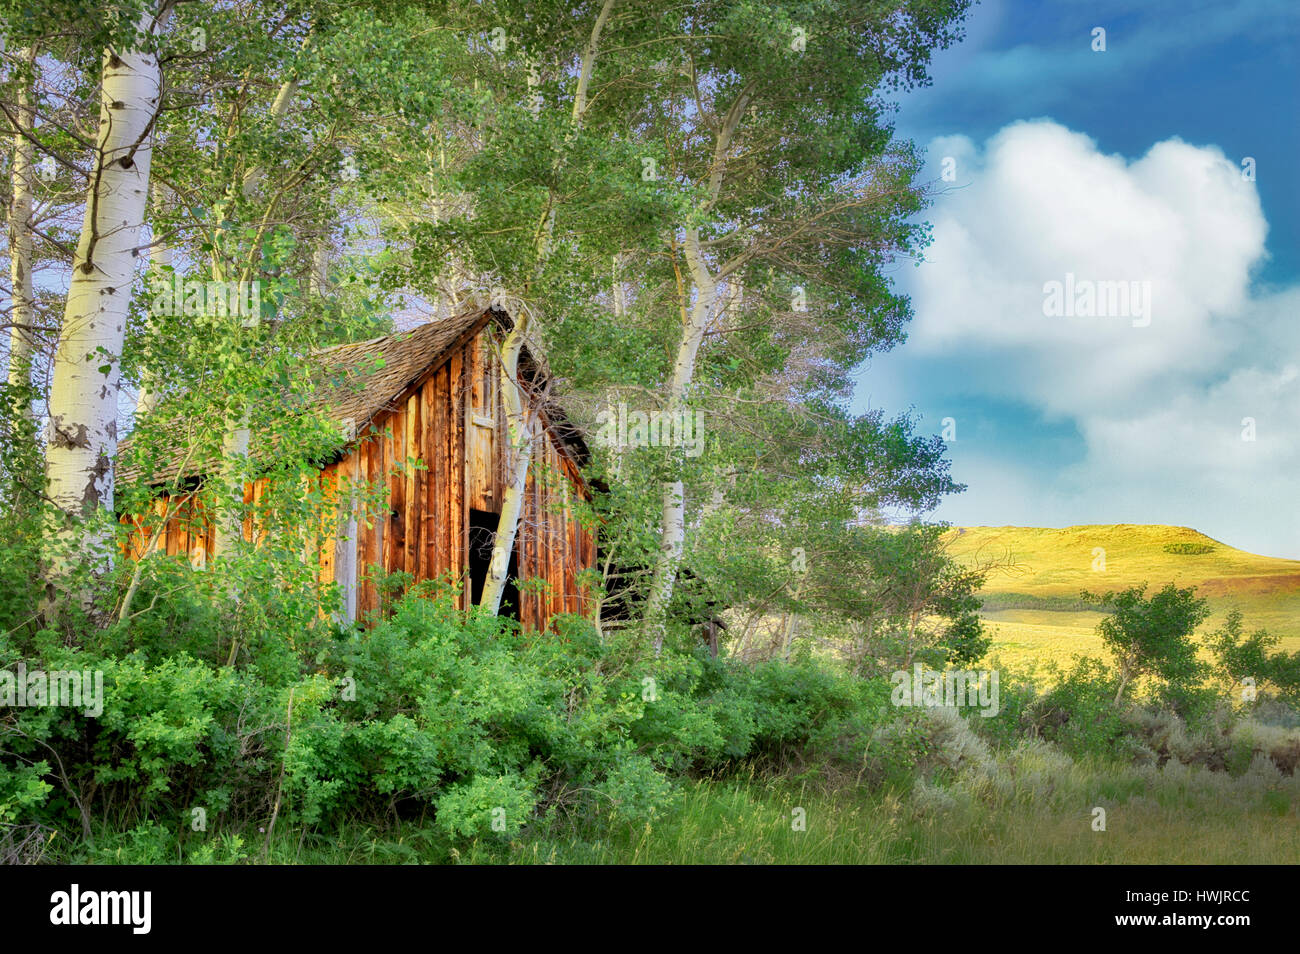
[(1115, 166)]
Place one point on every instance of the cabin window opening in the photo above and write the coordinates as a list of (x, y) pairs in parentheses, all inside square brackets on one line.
[(482, 533)]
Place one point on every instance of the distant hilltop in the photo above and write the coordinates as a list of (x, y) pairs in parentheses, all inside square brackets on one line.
[(1047, 568)]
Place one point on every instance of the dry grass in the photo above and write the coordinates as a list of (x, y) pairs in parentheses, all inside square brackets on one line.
[(1050, 565)]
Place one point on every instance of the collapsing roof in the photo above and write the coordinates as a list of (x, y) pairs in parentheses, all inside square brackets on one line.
[(357, 381)]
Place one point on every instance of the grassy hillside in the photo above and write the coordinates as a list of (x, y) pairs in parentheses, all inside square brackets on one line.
[(1032, 596)]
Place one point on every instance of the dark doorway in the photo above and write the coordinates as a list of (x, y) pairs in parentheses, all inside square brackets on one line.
[(482, 533)]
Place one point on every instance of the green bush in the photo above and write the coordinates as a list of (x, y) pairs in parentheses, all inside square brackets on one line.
[(1079, 713), (487, 806), (429, 711), (1189, 549)]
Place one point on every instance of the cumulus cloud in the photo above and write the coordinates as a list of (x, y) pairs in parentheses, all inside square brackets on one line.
[(1040, 203), (1159, 406)]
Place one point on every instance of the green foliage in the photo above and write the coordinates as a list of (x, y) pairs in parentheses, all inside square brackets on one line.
[(902, 600), (1242, 657), (637, 792), (1018, 702), (487, 805), (1189, 549), (1079, 712), (1152, 637), (462, 715), (23, 790)]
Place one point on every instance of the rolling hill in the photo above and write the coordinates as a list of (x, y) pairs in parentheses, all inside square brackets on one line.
[(1031, 596)]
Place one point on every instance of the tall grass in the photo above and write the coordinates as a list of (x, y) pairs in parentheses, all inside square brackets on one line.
[(1032, 805)]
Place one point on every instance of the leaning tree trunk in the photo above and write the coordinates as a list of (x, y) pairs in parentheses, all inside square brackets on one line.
[(519, 455), (82, 437), (520, 407), (694, 325)]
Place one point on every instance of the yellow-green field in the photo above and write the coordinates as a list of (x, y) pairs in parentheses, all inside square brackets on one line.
[(1038, 574)]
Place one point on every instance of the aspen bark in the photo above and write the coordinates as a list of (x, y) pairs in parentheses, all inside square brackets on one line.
[(704, 284), (673, 518), (519, 409), (519, 451), (82, 435), (23, 186)]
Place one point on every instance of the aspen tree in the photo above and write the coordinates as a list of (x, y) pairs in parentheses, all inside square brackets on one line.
[(82, 435), (521, 412), (23, 186)]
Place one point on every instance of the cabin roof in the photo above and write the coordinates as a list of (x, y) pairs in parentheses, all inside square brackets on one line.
[(369, 375), (358, 380)]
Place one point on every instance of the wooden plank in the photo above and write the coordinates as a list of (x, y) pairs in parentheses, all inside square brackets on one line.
[(451, 494), (366, 549), (394, 556), (543, 550), (547, 550), (183, 517), (535, 614), (546, 516), (501, 436), (173, 528), (379, 466), (526, 544), (211, 538), (327, 540), (438, 485), (156, 521), (428, 530), (200, 527), (457, 512), (570, 562), (554, 520), (485, 445), (411, 491)]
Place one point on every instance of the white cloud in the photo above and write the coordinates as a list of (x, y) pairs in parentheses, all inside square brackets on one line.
[(1158, 407)]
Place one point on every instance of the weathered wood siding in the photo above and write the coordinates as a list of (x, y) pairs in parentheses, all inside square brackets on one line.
[(438, 452)]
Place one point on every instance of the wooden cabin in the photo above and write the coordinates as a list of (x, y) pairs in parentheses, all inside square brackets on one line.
[(430, 395)]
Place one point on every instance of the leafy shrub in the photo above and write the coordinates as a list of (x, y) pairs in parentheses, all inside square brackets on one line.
[(430, 710), (636, 790), (487, 806), (1189, 549), (1017, 700), (1079, 713)]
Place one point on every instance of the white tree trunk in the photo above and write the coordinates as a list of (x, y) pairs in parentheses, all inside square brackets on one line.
[(673, 520), (23, 185), (519, 455), (82, 437), (705, 287), (520, 411)]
